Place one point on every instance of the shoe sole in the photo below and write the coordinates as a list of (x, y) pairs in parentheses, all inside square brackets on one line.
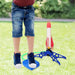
[(33, 65), (18, 66)]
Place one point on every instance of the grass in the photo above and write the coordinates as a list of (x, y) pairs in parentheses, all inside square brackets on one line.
[(64, 43)]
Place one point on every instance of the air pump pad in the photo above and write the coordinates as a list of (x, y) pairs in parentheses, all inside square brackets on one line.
[(25, 63)]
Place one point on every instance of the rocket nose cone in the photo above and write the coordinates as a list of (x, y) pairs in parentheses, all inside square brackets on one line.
[(48, 25)]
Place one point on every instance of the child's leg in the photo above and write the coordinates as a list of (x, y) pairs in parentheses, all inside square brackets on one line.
[(30, 41), (29, 33), (17, 20), (16, 42), (29, 28)]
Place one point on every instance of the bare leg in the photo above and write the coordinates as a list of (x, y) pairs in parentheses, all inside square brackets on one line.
[(30, 44), (16, 42), (30, 47)]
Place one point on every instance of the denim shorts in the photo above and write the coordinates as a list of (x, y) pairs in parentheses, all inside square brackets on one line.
[(20, 15)]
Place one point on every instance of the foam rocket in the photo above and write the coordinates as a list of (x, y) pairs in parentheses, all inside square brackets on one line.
[(49, 40)]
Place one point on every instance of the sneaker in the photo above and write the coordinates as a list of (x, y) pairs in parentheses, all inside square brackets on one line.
[(31, 60), (17, 60)]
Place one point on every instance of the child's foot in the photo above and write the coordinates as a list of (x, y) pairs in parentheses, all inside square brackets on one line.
[(17, 60), (31, 60)]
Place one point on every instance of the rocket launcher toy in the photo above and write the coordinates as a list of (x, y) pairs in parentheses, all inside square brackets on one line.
[(49, 45), (49, 51)]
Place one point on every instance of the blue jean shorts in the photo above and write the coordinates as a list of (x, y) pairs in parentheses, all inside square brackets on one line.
[(20, 15)]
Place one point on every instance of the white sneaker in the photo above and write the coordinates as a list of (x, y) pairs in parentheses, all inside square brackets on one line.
[(31, 60), (18, 66), (17, 60), (32, 65)]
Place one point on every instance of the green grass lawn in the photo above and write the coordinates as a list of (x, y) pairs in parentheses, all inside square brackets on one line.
[(64, 43)]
